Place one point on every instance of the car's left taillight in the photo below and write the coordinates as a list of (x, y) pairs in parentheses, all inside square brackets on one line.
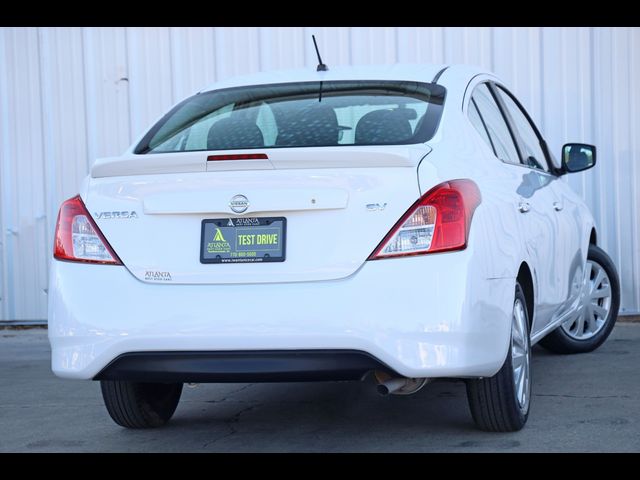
[(78, 238)]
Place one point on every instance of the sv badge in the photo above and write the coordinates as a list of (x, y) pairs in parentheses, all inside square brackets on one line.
[(376, 207)]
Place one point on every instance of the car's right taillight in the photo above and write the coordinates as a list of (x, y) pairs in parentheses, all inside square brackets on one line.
[(78, 238), (438, 222)]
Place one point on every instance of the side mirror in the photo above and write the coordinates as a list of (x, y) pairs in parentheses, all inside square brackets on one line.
[(577, 157)]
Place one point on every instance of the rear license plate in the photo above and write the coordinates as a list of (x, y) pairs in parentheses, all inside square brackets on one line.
[(243, 240)]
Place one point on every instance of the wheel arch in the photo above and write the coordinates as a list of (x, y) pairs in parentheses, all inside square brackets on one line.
[(593, 237)]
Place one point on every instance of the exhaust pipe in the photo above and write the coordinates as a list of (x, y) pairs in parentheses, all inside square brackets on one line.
[(398, 385), (391, 386)]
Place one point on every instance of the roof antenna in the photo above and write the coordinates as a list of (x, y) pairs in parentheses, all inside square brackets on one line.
[(321, 66)]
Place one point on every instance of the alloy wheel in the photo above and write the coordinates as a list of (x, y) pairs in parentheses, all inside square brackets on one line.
[(521, 355)]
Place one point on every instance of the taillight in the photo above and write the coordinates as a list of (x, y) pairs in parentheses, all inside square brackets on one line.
[(78, 238), (438, 222)]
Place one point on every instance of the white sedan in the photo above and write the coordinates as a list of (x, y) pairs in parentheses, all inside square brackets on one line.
[(404, 222)]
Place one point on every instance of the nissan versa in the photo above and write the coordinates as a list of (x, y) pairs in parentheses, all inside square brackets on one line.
[(404, 222)]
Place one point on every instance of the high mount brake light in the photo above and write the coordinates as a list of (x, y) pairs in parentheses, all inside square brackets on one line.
[(238, 156), (438, 222), (78, 238)]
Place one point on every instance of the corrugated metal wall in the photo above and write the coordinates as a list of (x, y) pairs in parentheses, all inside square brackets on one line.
[(69, 95)]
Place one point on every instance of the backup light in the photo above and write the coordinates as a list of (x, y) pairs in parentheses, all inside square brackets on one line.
[(78, 238), (438, 222)]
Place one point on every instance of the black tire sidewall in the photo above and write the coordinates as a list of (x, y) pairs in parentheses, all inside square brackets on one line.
[(138, 404), (493, 401)]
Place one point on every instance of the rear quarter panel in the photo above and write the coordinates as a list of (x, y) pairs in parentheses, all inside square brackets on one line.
[(460, 153)]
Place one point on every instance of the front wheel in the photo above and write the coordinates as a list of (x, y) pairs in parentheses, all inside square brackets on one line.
[(597, 310), (501, 403)]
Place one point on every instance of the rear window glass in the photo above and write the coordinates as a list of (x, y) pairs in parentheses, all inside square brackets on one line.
[(310, 114)]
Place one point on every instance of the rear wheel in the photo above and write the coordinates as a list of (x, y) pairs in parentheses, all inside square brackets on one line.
[(597, 310), (501, 403), (140, 405)]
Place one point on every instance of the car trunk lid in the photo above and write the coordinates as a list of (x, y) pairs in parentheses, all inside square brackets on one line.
[(338, 202)]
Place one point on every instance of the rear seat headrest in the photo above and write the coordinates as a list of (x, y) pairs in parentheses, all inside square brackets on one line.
[(383, 127), (234, 133)]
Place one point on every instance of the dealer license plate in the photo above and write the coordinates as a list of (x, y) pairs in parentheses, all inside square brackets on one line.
[(243, 240)]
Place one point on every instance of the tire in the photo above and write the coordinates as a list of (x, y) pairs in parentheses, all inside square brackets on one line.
[(140, 405), (566, 338), (496, 403)]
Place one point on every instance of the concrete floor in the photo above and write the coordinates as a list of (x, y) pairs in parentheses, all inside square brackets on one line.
[(587, 402)]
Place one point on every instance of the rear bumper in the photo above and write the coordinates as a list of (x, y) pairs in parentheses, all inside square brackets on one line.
[(425, 316)]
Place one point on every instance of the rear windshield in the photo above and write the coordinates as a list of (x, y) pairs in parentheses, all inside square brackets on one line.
[(309, 114)]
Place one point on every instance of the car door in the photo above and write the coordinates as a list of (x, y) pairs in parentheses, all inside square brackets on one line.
[(554, 209), (570, 252), (530, 192)]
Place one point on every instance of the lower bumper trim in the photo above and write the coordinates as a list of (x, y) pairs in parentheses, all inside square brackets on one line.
[(242, 366)]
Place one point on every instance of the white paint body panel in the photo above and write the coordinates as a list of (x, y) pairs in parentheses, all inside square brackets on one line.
[(329, 231), (437, 315), (376, 310)]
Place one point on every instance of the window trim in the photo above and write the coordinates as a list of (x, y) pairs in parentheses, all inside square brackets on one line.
[(494, 87), (515, 143)]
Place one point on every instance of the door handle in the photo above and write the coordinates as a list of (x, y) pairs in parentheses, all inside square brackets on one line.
[(524, 207), (557, 206)]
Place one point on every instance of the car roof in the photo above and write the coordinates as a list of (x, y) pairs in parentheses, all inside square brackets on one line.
[(408, 72)]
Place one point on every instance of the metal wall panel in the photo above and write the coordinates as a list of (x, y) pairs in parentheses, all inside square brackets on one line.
[(106, 79), (23, 178), (70, 95), (188, 70)]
